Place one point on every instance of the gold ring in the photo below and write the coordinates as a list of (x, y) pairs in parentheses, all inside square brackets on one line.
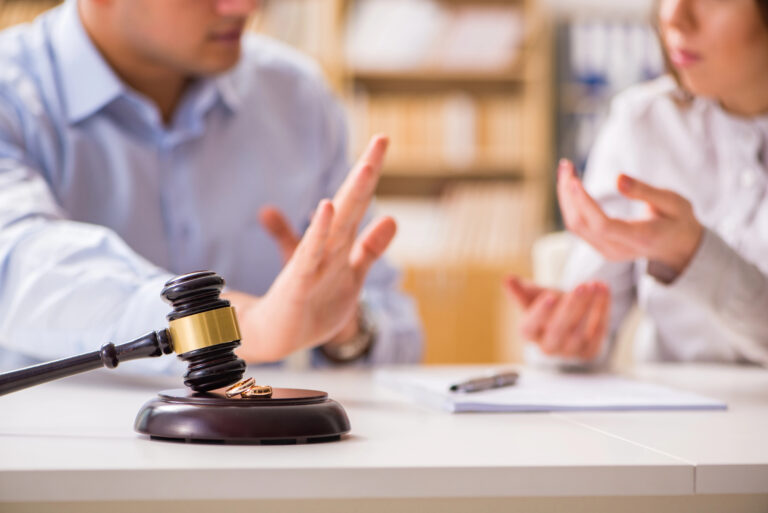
[(260, 391), (239, 387)]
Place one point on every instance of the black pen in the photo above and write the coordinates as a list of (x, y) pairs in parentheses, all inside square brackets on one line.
[(504, 379)]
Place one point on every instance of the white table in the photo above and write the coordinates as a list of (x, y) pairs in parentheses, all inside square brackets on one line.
[(73, 441)]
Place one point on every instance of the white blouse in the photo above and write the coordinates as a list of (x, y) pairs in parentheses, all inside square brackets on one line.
[(717, 309)]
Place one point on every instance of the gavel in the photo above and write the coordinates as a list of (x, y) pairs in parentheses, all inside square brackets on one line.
[(202, 330)]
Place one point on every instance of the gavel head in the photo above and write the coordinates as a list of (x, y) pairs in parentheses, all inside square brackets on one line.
[(204, 331)]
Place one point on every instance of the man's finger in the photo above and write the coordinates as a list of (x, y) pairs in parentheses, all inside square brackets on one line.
[(373, 158), (375, 152), (371, 244), (311, 249), (280, 229), (354, 196), (662, 200)]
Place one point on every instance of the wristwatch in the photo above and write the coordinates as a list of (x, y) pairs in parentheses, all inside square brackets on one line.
[(358, 346)]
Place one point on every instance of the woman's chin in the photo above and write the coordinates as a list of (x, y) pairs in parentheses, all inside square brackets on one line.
[(697, 85)]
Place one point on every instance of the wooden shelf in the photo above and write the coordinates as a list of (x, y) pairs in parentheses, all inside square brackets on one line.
[(420, 186), (439, 170), (431, 79), (443, 75)]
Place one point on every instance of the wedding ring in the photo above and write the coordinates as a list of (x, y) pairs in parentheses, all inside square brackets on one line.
[(239, 387), (260, 391)]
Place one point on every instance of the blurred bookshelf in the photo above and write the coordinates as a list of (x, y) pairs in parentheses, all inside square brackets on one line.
[(599, 55), (13, 12)]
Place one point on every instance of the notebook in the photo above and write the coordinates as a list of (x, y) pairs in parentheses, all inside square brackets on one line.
[(541, 391)]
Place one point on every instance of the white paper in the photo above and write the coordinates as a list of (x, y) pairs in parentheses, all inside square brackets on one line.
[(538, 391)]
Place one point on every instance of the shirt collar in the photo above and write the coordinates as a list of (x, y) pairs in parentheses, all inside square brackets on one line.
[(227, 89), (88, 82)]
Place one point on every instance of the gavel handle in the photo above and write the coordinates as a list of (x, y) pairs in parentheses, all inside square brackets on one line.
[(156, 343)]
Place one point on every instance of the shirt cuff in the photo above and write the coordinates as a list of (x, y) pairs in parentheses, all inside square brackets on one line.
[(720, 278), (146, 311)]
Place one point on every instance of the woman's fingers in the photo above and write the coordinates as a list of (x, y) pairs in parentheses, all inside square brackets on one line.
[(371, 244), (583, 216), (574, 341), (535, 320), (565, 319), (589, 211), (666, 202), (576, 335), (577, 326), (571, 196), (523, 292), (311, 250), (656, 237), (597, 324), (590, 218), (565, 174)]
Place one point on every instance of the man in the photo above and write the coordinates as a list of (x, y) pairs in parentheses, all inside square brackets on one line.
[(142, 139)]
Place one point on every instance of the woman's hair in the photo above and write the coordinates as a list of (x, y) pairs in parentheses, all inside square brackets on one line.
[(763, 5)]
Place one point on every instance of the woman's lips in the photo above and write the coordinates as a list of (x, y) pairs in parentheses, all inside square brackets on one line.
[(682, 58)]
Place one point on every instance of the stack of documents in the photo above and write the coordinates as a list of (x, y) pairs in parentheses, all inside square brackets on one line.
[(539, 391)]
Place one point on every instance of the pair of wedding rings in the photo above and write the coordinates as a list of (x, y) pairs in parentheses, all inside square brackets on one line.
[(249, 389)]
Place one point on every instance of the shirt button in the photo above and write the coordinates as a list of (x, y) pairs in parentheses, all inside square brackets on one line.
[(747, 178)]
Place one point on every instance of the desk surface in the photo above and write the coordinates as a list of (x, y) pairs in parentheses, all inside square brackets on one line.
[(74, 441)]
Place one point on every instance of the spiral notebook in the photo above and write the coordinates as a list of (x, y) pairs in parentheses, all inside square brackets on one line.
[(538, 391)]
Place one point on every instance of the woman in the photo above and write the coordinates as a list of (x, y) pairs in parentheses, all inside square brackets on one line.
[(687, 235)]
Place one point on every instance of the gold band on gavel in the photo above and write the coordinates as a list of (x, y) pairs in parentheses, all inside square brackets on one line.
[(204, 330)]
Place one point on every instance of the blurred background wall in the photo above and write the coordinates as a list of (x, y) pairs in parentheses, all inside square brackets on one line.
[(480, 99)]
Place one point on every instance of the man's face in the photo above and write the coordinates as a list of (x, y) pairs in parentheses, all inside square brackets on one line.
[(198, 37)]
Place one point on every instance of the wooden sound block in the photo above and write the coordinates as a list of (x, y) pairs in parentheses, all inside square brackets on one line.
[(290, 416)]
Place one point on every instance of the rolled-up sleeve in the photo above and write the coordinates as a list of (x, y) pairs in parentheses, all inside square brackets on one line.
[(732, 289)]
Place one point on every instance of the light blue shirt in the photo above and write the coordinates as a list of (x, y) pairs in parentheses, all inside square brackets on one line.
[(101, 202)]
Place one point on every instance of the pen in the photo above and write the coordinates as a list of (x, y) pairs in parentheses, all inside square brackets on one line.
[(503, 379)]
